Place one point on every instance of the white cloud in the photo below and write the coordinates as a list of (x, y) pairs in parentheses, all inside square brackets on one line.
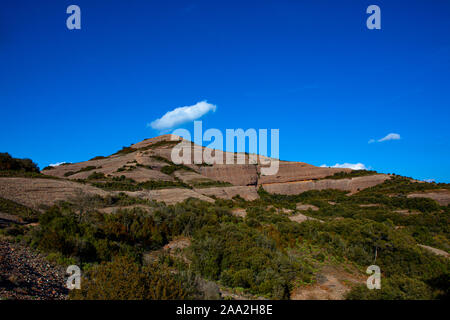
[(429, 180), (56, 164), (390, 136), (353, 166), (181, 115)]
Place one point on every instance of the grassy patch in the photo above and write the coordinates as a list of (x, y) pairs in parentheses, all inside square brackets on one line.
[(14, 208), (126, 184)]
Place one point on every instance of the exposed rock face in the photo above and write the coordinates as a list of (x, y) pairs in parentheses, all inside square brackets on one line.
[(352, 185), (106, 166), (148, 142), (302, 218), (301, 206), (190, 177), (249, 193), (298, 171), (238, 174), (440, 196), (117, 165), (143, 161), (239, 212), (148, 153), (35, 192)]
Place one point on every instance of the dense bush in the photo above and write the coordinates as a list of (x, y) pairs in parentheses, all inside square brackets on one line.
[(394, 288), (82, 238), (124, 279), (8, 163), (264, 253), (240, 256)]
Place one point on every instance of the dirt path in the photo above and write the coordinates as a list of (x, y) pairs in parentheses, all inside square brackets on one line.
[(26, 275), (332, 284), (439, 252)]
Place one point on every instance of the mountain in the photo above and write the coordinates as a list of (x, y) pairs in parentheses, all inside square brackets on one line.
[(150, 160), (211, 231)]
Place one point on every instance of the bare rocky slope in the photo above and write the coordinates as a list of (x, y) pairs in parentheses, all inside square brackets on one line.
[(150, 160)]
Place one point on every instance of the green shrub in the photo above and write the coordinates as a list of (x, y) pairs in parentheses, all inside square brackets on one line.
[(97, 176), (8, 163), (394, 288), (124, 279), (14, 208)]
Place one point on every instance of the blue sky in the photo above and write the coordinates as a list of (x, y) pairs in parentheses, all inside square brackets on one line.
[(309, 68)]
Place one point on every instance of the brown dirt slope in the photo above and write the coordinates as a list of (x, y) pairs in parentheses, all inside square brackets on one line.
[(332, 283), (35, 192), (440, 196), (144, 161)]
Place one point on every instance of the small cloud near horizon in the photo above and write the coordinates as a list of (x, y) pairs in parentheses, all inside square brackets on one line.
[(353, 166), (390, 136), (182, 115), (430, 180), (56, 164)]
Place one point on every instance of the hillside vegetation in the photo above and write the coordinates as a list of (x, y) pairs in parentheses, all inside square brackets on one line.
[(263, 254), (130, 247)]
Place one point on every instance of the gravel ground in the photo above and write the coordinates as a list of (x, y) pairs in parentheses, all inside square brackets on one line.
[(25, 275)]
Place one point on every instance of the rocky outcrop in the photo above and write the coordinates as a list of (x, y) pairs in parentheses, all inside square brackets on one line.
[(237, 174), (248, 193), (36, 192), (299, 218), (352, 185), (301, 206), (143, 161), (298, 171), (440, 196)]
